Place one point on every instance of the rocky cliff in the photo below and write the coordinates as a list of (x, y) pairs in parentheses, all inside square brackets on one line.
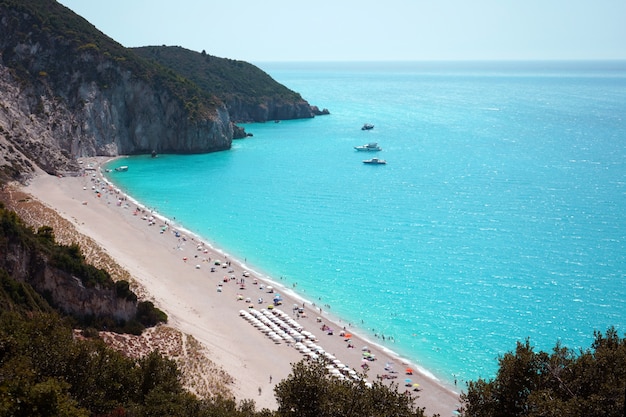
[(26, 264), (271, 109), (249, 93), (69, 91)]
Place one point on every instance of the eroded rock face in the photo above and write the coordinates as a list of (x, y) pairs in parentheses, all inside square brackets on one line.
[(61, 288), (68, 91), (60, 100), (270, 109), (132, 117), (128, 117)]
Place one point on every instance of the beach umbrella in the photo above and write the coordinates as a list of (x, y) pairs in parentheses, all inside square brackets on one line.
[(409, 371)]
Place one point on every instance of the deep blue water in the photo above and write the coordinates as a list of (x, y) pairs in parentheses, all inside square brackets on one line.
[(500, 215)]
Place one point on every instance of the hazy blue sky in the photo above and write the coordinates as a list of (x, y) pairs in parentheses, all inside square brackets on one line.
[(340, 30)]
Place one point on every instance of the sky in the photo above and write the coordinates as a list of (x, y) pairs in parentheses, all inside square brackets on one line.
[(368, 30)]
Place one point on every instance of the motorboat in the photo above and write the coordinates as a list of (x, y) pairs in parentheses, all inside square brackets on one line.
[(123, 168), (375, 161), (369, 147), (367, 126)]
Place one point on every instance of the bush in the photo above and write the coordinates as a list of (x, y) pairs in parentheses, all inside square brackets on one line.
[(149, 315), (564, 383)]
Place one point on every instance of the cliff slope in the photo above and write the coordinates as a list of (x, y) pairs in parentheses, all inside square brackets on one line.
[(59, 274), (69, 91), (249, 93)]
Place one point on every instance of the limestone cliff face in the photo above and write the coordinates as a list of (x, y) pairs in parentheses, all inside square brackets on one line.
[(62, 289), (269, 109), (131, 117), (60, 99)]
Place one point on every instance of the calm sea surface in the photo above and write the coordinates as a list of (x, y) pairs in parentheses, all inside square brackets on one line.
[(500, 215)]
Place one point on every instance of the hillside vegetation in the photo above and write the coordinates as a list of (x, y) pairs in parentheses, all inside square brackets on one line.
[(30, 260), (74, 35), (67, 91), (226, 78)]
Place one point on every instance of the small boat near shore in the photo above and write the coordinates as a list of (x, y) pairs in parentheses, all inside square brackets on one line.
[(375, 161), (367, 126), (369, 147), (123, 168)]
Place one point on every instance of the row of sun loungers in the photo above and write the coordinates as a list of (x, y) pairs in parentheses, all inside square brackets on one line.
[(281, 328)]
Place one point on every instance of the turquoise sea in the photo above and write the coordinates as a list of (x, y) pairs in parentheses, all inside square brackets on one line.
[(500, 214)]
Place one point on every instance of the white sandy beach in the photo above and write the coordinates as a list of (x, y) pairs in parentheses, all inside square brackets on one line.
[(176, 272)]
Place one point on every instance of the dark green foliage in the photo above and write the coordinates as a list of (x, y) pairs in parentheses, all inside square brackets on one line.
[(225, 78), (149, 315), (46, 234), (70, 259), (122, 289), (44, 371), (564, 383), (311, 391)]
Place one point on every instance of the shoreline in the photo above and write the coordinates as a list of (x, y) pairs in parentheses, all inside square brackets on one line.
[(149, 254), (277, 284)]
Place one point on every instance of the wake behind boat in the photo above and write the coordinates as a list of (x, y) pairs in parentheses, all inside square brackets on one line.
[(375, 161), (369, 147)]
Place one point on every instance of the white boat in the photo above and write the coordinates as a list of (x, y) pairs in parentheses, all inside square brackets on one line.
[(367, 126), (369, 147), (122, 168), (375, 161)]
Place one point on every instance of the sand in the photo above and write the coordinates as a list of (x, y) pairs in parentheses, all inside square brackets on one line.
[(176, 273)]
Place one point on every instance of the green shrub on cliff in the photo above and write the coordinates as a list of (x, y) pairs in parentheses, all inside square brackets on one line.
[(35, 250)]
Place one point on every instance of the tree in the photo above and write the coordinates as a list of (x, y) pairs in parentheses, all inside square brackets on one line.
[(588, 383), (311, 391)]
